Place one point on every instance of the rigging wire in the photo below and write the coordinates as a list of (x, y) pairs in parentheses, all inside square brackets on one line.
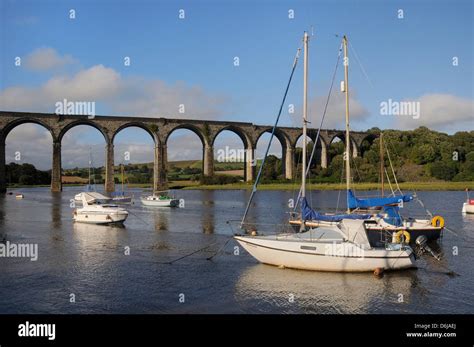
[(254, 189), (339, 190), (393, 171), (389, 182), (351, 47)]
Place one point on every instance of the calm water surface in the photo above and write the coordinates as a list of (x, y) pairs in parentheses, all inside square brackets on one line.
[(89, 261)]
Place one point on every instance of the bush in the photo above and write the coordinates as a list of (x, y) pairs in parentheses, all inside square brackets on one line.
[(443, 170), (26, 180), (218, 179)]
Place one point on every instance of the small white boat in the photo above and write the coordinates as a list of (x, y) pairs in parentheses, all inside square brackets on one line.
[(94, 211), (159, 201), (468, 207), (344, 248), (19, 196)]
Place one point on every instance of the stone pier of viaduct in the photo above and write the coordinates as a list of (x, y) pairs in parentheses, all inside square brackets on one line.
[(160, 130)]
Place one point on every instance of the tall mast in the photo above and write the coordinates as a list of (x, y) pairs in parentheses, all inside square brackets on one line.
[(305, 114), (348, 139), (122, 180), (382, 165), (90, 163)]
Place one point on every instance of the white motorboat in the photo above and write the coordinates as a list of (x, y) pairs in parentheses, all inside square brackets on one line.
[(95, 211), (340, 247), (159, 201)]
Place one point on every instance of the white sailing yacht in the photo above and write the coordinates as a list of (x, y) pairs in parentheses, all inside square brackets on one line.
[(160, 200), (121, 197), (90, 187), (342, 247)]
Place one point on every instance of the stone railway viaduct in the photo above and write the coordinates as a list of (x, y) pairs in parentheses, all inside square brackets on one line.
[(160, 130)]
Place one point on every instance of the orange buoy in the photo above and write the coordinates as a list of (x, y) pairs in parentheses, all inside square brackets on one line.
[(378, 272)]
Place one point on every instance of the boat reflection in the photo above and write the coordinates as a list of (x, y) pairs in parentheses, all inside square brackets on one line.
[(161, 219), (56, 210), (322, 292), (93, 237)]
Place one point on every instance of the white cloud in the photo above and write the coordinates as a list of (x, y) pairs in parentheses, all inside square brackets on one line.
[(47, 58), (335, 114), (37, 150), (97, 83), (444, 112), (128, 96), (139, 152)]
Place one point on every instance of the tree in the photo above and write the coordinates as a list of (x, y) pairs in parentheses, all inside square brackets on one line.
[(272, 168), (26, 180), (443, 170), (423, 154)]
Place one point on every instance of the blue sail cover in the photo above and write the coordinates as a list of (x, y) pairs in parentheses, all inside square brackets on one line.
[(354, 202), (309, 214), (393, 215)]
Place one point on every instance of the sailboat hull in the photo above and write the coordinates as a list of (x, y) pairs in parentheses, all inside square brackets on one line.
[(160, 202), (324, 256), (122, 200)]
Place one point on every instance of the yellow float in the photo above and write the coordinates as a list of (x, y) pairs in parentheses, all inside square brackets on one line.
[(437, 221), (405, 234)]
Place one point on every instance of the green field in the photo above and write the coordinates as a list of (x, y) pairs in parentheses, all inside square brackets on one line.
[(406, 186)]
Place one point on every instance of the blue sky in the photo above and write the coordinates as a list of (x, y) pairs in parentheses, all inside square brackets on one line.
[(405, 59)]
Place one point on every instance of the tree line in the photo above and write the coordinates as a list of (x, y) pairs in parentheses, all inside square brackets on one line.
[(417, 155)]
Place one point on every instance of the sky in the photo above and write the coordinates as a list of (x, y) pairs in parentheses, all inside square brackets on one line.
[(414, 51)]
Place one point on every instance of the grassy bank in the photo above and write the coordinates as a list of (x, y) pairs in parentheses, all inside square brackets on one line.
[(406, 186)]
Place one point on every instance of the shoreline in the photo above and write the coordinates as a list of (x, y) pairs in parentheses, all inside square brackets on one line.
[(407, 186)]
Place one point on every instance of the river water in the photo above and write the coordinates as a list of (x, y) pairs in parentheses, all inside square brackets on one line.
[(85, 268)]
